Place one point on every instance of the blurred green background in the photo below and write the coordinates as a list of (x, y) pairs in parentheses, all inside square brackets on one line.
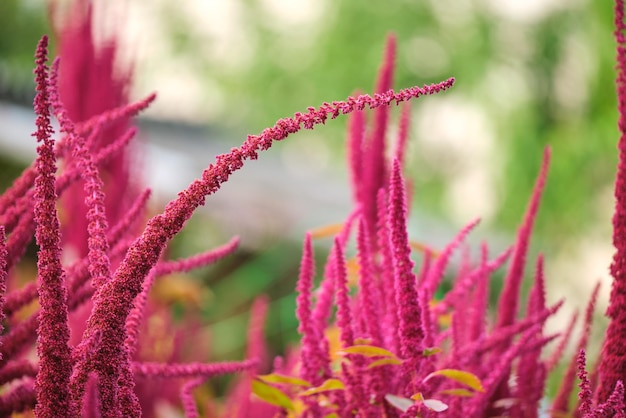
[(529, 74)]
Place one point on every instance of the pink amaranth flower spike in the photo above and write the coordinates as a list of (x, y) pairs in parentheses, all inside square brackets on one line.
[(375, 170), (613, 359), (561, 400), (55, 367), (3, 277), (344, 308), (371, 302), (509, 300), (411, 330), (311, 357)]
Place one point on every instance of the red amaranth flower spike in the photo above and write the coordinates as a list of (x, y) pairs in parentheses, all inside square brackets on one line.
[(4, 273), (561, 400), (166, 371), (509, 299), (311, 358), (186, 396), (403, 132), (198, 260), (370, 302), (18, 399), (387, 275), (52, 384), (411, 332), (437, 270), (585, 396), (613, 358), (354, 152), (97, 223), (344, 308), (375, 173)]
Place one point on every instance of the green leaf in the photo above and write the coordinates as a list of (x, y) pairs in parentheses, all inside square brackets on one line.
[(431, 351), (368, 351), (332, 415), (383, 362), (330, 384), (466, 378), (458, 392), (271, 395), (286, 380)]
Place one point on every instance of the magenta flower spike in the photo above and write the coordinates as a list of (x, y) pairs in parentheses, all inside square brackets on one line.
[(344, 308), (199, 260), (613, 359), (375, 170), (531, 370), (186, 395), (411, 330), (403, 132), (355, 153), (97, 224), (369, 296), (55, 367), (437, 270), (188, 370), (311, 358), (387, 275), (561, 400), (509, 299), (557, 354), (585, 396), (4, 273)]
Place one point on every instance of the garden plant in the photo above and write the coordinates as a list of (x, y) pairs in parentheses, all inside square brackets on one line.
[(375, 341)]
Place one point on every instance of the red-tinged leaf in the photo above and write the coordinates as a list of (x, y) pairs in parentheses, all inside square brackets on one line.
[(362, 341), (399, 402), (271, 395), (458, 392), (282, 379), (431, 351), (466, 378), (368, 351), (384, 362), (330, 384), (435, 405)]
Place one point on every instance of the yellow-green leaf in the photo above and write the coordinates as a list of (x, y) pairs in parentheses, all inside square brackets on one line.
[(330, 384), (368, 351), (418, 397), (466, 378), (286, 380), (458, 392), (271, 395), (384, 362), (431, 351), (332, 415)]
